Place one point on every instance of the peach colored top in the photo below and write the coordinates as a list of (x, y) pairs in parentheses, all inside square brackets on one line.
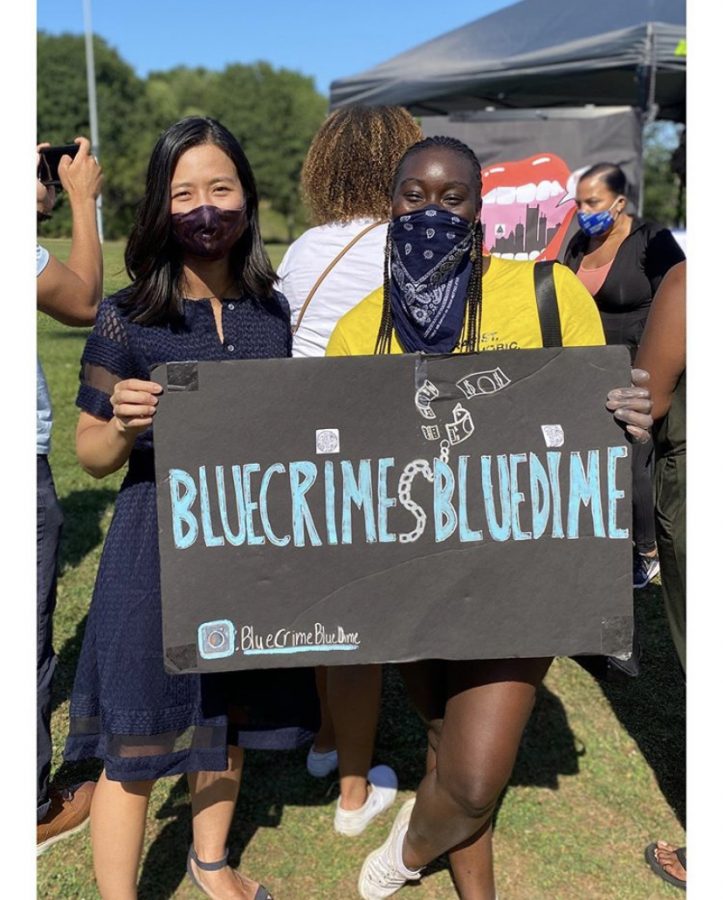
[(593, 278)]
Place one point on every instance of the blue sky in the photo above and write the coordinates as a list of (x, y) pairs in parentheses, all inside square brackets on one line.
[(323, 39)]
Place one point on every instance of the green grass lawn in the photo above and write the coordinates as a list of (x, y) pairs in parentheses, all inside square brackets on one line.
[(600, 774)]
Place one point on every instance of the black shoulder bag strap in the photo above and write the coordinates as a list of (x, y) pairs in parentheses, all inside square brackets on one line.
[(547, 310)]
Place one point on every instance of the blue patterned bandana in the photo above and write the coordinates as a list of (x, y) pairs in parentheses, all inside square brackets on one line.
[(430, 271)]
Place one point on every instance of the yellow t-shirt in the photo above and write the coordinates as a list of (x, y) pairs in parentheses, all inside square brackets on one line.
[(510, 320)]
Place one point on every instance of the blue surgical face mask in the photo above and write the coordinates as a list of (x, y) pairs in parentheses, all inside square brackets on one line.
[(598, 222)]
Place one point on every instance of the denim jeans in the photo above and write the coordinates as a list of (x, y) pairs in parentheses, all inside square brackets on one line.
[(50, 523)]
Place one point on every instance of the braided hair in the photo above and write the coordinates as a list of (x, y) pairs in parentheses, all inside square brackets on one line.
[(473, 300)]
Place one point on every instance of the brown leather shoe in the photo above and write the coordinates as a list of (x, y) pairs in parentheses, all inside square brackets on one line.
[(68, 813)]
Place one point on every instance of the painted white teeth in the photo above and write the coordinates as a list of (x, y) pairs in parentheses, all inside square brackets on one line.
[(506, 195), (547, 189), (526, 193), (520, 257), (543, 191)]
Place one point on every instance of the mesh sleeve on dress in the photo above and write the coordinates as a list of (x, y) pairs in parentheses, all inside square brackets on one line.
[(106, 360)]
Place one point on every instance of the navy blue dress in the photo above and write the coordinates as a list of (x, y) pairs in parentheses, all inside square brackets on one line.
[(125, 709)]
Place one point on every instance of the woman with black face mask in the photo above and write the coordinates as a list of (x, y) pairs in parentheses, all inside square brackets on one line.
[(621, 259), (441, 294), (202, 289)]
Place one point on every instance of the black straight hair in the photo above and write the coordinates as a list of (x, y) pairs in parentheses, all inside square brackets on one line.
[(154, 260), (611, 175), (473, 299)]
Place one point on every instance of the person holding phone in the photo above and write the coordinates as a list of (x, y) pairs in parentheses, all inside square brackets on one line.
[(68, 292), (202, 289)]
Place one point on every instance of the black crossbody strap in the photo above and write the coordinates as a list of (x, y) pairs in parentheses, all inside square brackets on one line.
[(546, 297)]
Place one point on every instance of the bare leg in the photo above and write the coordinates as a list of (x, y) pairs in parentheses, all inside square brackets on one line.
[(473, 865), (489, 703), (471, 862), (354, 694), (117, 824), (213, 801), (325, 739)]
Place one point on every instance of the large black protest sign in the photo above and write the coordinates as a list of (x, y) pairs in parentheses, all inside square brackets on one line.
[(379, 509)]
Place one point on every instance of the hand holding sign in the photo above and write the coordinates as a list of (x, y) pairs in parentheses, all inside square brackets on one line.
[(134, 404), (633, 406)]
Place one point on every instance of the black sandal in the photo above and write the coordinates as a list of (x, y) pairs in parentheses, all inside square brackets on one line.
[(261, 892), (655, 865)]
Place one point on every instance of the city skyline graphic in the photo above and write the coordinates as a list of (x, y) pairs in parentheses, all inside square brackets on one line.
[(531, 237)]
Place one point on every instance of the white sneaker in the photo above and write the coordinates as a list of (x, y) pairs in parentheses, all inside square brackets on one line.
[(321, 764), (383, 873), (383, 783)]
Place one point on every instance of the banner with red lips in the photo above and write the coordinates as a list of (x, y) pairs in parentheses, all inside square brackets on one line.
[(527, 207), (531, 161)]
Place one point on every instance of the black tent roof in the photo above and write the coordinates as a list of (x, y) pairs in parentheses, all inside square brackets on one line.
[(537, 54)]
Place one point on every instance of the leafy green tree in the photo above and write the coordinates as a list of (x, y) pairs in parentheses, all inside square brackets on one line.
[(127, 120), (185, 91), (664, 168), (294, 112), (274, 113)]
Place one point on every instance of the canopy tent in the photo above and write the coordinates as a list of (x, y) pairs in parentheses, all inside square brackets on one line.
[(537, 55)]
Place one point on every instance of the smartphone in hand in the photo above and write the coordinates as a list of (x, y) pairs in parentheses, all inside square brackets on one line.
[(48, 165)]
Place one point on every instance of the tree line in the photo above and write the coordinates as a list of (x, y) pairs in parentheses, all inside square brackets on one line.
[(273, 112)]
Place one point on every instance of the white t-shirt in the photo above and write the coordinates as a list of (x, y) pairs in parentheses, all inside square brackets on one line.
[(357, 274), (681, 237)]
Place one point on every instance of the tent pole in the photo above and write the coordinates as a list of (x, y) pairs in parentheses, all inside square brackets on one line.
[(648, 104)]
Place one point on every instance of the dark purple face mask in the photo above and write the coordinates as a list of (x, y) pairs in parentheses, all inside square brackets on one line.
[(209, 231)]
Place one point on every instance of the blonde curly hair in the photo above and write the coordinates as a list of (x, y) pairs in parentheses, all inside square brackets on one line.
[(347, 173)]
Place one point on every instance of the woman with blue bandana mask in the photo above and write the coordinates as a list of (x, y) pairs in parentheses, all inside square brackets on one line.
[(621, 259), (443, 294)]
